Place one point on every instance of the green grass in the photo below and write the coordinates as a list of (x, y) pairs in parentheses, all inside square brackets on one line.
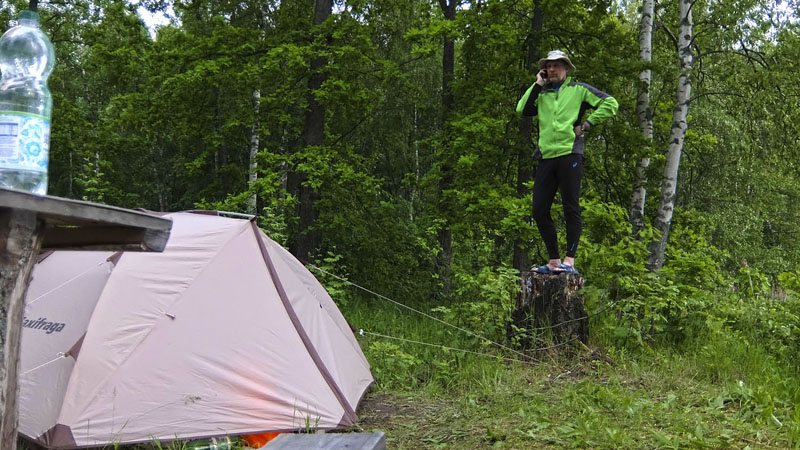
[(658, 401), (731, 387), (721, 391)]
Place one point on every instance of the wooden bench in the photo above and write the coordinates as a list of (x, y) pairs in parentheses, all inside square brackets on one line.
[(329, 441)]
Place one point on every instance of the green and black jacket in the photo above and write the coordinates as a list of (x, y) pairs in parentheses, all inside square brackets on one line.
[(560, 109)]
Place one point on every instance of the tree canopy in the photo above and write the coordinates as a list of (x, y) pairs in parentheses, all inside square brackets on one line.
[(212, 111)]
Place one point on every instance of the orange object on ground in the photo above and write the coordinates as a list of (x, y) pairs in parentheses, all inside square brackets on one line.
[(259, 440)]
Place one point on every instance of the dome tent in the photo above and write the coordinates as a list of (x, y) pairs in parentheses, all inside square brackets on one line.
[(224, 333)]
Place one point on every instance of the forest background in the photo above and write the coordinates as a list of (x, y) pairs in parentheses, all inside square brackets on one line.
[(377, 140)]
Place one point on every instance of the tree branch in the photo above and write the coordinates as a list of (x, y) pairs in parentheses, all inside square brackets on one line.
[(743, 53), (661, 26), (691, 7), (708, 94)]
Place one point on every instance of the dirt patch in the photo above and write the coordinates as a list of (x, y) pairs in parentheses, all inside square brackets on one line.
[(382, 410), (412, 422)]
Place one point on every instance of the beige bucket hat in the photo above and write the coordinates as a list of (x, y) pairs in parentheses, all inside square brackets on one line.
[(556, 55)]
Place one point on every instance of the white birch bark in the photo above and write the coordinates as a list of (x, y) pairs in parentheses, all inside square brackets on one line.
[(264, 25), (252, 174), (645, 117), (669, 181)]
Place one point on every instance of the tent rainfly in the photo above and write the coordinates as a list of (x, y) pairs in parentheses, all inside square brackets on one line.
[(224, 333)]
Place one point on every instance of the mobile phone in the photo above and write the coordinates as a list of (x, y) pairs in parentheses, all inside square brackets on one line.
[(543, 74)]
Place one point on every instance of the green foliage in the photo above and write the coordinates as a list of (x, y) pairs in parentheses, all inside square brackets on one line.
[(726, 388), (773, 324), (485, 301), (791, 281), (333, 276), (751, 283), (647, 305), (169, 123), (392, 366)]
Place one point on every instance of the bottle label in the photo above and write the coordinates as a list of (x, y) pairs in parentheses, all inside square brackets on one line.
[(24, 141)]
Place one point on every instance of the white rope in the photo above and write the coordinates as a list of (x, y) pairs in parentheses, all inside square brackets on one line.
[(456, 327), (587, 317), (61, 355), (463, 330), (531, 360), (449, 348), (67, 282)]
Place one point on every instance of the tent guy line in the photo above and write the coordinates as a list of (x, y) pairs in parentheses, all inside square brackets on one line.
[(531, 360), (57, 358), (45, 294), (444, 347), (566, 322), (463, 330), (521, 333)]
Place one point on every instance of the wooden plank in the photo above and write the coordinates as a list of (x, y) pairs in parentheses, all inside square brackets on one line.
[(75, 224), (20, 239), (104, 238), (74, 212), (329, 441)]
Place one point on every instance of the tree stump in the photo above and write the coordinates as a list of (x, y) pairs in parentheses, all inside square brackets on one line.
[(548, 310)]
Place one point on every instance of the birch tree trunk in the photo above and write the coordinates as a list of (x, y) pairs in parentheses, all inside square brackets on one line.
[(255, 140), (645, 116), (525, 155), (252, 175), (669, 181), (445, 235)]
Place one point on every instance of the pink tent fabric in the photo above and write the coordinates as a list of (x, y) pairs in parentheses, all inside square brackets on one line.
[(224, 333)]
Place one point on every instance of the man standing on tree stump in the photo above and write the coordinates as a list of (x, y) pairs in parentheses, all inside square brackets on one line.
[(560, 104)]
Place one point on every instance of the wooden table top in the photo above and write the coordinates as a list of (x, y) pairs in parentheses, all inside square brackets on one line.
[(74, 224)]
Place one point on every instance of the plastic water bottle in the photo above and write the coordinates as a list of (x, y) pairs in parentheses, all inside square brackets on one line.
[(26, 60), (214, 443)]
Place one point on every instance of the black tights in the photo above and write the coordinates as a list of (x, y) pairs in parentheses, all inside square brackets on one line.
[(564, 173)]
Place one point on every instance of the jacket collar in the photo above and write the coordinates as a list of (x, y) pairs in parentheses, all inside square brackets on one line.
[(550, 87)]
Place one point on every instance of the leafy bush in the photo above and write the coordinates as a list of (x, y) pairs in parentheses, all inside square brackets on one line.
[(484, 301), (791, 281), (667, 304), (391, 366), (769, 324), (333, 275), (752, 283)]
